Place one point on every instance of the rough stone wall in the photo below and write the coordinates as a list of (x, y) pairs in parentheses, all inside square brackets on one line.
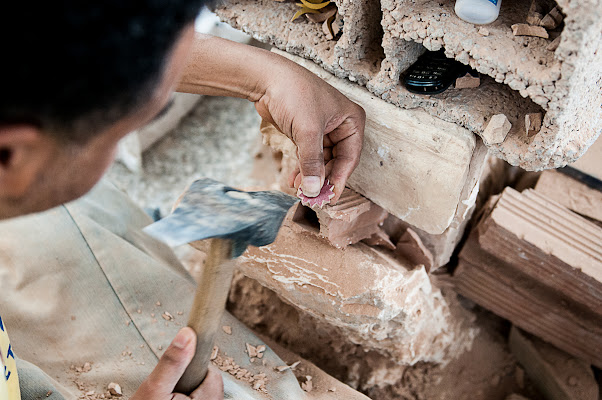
[(356, 55), (579, 103), (525, 77)]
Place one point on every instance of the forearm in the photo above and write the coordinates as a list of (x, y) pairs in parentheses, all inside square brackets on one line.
[(301, 105), (220, 67)]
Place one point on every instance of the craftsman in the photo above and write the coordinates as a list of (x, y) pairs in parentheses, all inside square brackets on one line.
[(79, 283)]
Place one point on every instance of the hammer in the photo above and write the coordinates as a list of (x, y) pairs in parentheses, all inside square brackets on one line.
[(232, 220)]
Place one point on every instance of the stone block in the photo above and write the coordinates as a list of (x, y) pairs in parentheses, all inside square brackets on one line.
[(411, 248), (562, 81), (413, 165), (356, 54), (539, 265), (375, 300), (351, 220)]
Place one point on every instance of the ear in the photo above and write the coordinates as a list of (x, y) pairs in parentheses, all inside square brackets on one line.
[(24, 152)]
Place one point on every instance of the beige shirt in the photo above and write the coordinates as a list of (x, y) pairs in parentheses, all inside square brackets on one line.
[(82, 284), (9, 380)]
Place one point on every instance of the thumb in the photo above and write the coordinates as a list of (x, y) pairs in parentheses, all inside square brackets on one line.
[(172, 364), (311, 162)]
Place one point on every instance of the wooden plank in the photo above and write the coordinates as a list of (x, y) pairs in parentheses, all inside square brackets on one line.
[(530, 305), (557, 236), (571, 193), (557, 375), (591, 162), (539, 265), (413, 165)]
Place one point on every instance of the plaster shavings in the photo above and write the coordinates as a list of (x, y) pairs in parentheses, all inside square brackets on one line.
[(279, 265)]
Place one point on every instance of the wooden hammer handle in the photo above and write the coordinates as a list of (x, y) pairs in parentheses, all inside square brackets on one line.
[(207, 310)]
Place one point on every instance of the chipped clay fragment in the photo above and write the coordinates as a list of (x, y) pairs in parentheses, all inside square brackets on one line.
[(283, 368), (308, 384), (214, 353), (258, 382), (227, 329), (468, 81), (497, 129), (529, 30), (533, 123), (323, 198), (251, 350), (115, 389), (260, 349), (553, 19)]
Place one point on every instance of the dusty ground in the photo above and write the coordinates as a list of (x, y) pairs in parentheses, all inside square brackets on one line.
[(487, 372), (220, 139)]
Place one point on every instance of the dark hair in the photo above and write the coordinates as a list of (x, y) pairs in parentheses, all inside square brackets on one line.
[(74, 67)]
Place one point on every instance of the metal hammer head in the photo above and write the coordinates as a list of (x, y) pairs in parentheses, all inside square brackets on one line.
[(210, 209)]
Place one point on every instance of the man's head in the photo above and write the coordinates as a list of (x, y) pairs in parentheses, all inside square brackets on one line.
[(78, 76)]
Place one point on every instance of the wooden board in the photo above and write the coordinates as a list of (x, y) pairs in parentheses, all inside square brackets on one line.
[(539, 265), (556, 374), (413, 165), (496, 286), (571, 193), (570, 245), (591, 162)]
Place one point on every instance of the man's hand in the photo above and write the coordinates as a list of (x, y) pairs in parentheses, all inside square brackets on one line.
[(327, 128), (161, 382)]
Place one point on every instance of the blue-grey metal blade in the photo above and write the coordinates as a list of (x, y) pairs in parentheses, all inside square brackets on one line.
[(210, 209)]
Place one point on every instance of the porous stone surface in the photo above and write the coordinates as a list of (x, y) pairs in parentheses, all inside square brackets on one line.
[(355, 55), (525, 77), (554, 80), (591, 162), (378, 302)]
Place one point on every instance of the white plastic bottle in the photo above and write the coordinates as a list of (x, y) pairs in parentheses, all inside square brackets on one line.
[(478, 11)]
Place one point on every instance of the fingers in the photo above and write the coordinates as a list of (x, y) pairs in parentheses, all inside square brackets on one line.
[(178, 396), (311, 161), (346, 153), (171, 366), (292, 178), (212, 387)]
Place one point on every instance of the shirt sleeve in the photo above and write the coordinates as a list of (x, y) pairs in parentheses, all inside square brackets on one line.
[(3, 387), (9, 381)]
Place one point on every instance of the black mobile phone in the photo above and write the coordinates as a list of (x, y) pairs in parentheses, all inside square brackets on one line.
[(432, 73)]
